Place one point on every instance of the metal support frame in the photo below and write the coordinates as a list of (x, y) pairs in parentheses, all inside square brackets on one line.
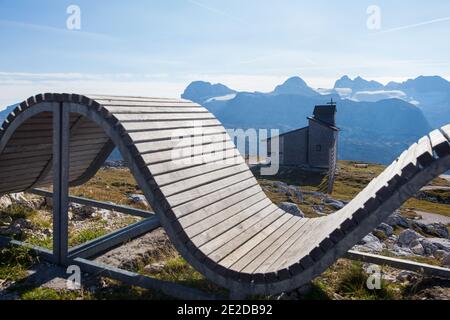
[(61, 136), (62, 255)]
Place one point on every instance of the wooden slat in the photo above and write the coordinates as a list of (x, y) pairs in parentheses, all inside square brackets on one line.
[(100, 98), (156, 146), (261, 251), (262, 262), (446, 131), (439, 143), (149, 104), (227, 158), (139, 125), (241, 234), (219, 247), (5, 164), (424, 151), (180, 175), (222, 231), (174, 134), (245, 250), (210, 199), (201, 220), (150, 110), (187, 153), (193, 194), (162, 117), (302, 246), (207, 178)]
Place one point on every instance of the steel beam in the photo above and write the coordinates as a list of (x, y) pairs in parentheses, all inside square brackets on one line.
[(399, 263), (102, 244), (61, 140), (98, 204)]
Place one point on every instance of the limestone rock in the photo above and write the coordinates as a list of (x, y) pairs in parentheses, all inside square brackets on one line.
[(406, 237), (292, 208)]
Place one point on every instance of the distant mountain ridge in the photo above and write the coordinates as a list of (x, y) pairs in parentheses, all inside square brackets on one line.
[(371, 131), (430, 93)]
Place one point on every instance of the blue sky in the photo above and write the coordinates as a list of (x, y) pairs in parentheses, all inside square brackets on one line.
[(158, 47)]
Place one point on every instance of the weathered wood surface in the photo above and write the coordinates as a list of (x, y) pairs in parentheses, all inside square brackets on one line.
[(210, 204)]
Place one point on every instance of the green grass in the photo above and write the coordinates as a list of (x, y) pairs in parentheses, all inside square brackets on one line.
[(52, 294), (426, 206), (353, 284), (14, 262), (18, 211), (85, 235), (179, 271)]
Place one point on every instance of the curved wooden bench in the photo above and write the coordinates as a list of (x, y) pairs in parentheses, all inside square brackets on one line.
[(210, 204)]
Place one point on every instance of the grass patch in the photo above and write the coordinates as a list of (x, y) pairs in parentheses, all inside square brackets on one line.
[(18, 211), (426, 206), (111, 185), (51, 294), (353, 284), (14, 262), (85, 235), (179, 271)]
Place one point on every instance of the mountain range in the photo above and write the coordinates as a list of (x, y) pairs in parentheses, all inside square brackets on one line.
[(377, 121)]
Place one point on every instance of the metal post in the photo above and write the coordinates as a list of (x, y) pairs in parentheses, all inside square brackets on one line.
[(61, 125)]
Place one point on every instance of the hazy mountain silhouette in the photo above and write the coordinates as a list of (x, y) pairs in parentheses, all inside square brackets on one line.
[(429, 93), (200, 91), (371, 131), (295, 85)]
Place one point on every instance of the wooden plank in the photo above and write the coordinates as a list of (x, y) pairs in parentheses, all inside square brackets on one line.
[(199, 192), (187, 153), (157, 110), (29, 141), (25, 150), (175, 124), (88, 141), (201, 220), (122, 117), (245, 250), (32, 134), (303, 245), (173, 134), (205, 179), (439, 143), (156, 146), (101, 98), (241, 233), (446, 131), (275, 251), (256, 255), (223, 230), (20, 178), (21, 169), (148, 104), (7, 163), (210, 199), (228, 157), (424, 151), (180, 175)]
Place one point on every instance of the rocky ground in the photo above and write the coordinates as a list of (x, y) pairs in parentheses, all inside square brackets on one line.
[(414, 232)]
